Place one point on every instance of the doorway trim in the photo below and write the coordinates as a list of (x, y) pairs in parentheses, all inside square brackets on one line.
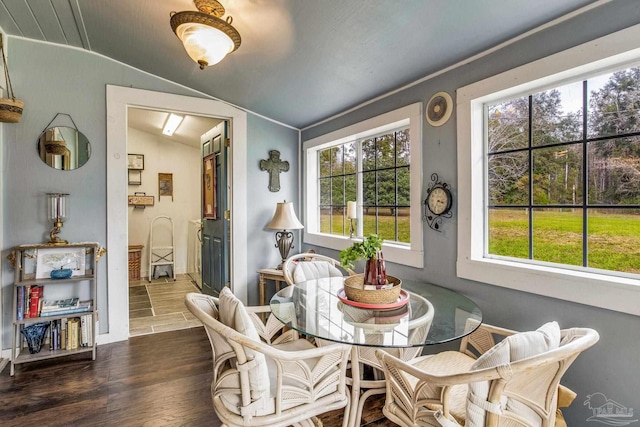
[(119, 99)]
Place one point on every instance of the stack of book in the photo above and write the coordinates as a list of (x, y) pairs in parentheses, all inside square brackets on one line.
[(71, 333), (66, 306)]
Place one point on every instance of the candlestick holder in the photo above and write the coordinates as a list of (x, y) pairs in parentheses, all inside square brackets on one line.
[(352, 227), (57, 212)]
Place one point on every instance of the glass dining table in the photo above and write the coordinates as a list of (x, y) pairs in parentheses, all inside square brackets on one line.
[(423, 315), (431, 315)]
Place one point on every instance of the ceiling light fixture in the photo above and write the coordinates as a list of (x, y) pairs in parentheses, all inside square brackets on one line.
[(206, 38), (172, 123)]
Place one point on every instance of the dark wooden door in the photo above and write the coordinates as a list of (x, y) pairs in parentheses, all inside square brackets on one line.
[(215, 218)]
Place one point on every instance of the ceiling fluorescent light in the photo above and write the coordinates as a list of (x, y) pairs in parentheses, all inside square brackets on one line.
[(172, 123)]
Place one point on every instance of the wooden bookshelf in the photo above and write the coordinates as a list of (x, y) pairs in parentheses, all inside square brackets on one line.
[(32, 265)]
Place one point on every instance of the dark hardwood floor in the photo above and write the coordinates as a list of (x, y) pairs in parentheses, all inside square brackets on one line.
[(152, 380)]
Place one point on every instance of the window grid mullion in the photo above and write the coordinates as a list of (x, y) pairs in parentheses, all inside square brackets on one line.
[(585, 177), (530, 148)]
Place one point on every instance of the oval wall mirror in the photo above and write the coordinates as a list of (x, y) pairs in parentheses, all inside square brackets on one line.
[(63, 148)]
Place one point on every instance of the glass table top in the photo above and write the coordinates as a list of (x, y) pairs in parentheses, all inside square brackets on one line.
[(433, 315)]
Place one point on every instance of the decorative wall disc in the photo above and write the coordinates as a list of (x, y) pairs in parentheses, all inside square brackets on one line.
[(439, 109)]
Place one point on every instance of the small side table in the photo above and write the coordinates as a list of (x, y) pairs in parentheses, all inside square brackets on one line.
[(269, 274)]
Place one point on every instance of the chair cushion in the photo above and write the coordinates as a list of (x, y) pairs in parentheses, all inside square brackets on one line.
[(516, 347), (234, 315), (308, 270), (445, 363)]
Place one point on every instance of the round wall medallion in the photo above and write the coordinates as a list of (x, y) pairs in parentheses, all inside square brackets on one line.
[(439, 109)]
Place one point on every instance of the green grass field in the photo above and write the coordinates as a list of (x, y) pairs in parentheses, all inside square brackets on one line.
[(386, 226), (614, 238)]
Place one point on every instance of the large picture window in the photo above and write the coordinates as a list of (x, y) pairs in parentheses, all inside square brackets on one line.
[(376, 164), (380, 166), (563, 174), (549, 175)]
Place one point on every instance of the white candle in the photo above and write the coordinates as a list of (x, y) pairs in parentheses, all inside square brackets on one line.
[(351, 210), (58, 206)]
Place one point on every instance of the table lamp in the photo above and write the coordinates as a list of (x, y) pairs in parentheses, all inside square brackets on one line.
[(284, 219), (57, 212)]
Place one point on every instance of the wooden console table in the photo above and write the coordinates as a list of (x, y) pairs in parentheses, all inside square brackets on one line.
[(269, 274)]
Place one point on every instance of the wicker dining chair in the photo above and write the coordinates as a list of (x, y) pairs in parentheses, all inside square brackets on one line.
[(264, 375), (366, 377), (514, 382), (308, 265)]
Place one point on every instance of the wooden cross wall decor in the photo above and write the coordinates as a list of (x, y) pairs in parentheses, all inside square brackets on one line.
[(274, 166)]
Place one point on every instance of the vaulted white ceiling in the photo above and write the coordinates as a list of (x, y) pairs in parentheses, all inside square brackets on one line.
[(300, 61)]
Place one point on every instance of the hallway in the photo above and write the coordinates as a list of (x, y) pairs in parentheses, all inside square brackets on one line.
[(159, 306)]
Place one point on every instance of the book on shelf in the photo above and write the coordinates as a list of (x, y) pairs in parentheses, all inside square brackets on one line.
[(20, 303), (34, 300), (80, 308), (63, 334), (53, 305), (73, 328)]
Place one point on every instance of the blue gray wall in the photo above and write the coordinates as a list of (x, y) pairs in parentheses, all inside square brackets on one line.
[(261, 203), (50, 80), (613, 365)]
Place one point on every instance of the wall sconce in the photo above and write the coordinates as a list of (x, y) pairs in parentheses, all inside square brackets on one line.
[(206, 37), (284, 219), (352, 216), (57, 210)]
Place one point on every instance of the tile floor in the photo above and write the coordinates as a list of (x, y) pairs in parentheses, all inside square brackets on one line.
[(159, 306)]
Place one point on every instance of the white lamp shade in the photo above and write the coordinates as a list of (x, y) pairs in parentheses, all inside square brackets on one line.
[(285, 218), (204, 43), (351, 210)]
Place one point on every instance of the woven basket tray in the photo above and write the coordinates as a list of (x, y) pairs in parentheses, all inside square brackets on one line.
[(353, 288)]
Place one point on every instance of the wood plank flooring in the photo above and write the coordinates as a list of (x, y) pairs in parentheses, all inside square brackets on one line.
[(160, 379)]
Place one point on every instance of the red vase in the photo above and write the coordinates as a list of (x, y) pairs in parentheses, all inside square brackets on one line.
[(375, 272)]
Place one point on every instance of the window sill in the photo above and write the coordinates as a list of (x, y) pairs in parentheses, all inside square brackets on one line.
[(395, 253), (599, 290)]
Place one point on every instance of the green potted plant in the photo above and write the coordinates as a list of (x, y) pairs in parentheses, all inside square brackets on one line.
[(370, 249)]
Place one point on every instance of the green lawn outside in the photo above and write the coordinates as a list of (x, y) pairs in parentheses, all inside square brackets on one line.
[(386, 226), (614, 238)]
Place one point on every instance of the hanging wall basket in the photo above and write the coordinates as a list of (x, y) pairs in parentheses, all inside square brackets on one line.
[(10, 108)]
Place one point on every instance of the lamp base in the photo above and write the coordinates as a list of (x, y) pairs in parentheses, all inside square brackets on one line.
[(53, 235), (284, 243)]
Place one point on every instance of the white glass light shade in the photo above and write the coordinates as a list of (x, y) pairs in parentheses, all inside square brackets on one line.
[(204, 43), (285, 218), (58, 206)]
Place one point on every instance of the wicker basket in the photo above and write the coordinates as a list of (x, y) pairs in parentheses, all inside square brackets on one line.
[(55, 147), (135, 252), (10, 107), (354, 289), (10, 110)]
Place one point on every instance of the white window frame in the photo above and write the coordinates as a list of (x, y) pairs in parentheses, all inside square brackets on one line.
[(411, 116), (586, 286)]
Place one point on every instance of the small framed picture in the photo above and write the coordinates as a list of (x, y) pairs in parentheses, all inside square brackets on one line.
[(135, 177), (165, 185), (135, 162), (140, 200), (56, 258), (209, 187)]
